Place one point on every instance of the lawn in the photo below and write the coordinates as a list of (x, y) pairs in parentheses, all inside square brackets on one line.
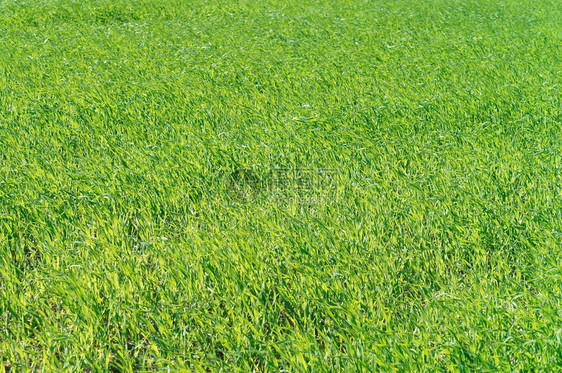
[(280, 185)]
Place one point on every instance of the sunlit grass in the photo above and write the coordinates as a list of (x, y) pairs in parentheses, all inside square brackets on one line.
[(144, 224)]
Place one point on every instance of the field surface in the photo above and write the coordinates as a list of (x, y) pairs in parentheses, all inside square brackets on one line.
[(280, 185)]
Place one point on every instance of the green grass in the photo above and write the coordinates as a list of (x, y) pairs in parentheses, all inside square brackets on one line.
[(126, 125)]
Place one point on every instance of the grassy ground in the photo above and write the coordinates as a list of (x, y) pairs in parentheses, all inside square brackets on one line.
[(145, 222)]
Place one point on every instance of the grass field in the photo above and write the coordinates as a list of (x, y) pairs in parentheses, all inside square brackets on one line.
[(280, 185)]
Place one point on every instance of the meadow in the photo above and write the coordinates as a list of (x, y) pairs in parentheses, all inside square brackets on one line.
[(164, 204)]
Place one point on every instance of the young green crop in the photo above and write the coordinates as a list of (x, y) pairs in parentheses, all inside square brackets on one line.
[(155, 211)]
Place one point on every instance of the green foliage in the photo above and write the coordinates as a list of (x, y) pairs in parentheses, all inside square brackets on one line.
[(137, 232)]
